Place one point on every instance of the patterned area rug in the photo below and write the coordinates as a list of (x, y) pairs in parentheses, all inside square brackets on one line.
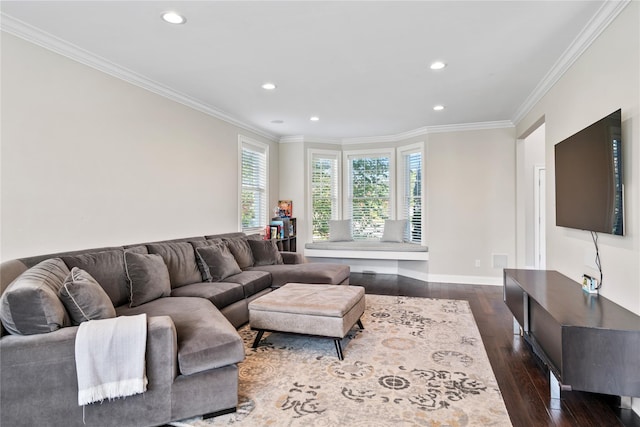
[(418, 362)]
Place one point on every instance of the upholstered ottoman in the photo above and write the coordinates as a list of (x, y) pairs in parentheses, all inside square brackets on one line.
[(311, 309)]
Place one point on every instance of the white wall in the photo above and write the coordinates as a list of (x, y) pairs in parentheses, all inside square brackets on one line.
[(89, 160), (292, 185), (603, 79), (471, 204)]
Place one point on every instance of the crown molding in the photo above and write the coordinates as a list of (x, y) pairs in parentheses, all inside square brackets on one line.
[(293, 139), (461, 127), (55, 44), (600, 21)]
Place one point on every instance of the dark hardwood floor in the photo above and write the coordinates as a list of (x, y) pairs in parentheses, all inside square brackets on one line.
[(522, 379)]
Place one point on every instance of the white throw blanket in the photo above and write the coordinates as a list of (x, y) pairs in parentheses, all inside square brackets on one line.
[(110, 358)]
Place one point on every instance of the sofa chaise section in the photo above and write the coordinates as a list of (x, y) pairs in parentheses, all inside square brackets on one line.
[(39, 385)]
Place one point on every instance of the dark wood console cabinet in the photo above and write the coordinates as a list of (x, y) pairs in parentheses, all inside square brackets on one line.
[(588, 342)]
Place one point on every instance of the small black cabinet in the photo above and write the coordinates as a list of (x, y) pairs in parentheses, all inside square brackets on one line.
[(288, 242)]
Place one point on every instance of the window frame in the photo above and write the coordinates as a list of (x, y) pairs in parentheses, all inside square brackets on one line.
[(404, 151), (328, 154), (263, 149), (347, 155)]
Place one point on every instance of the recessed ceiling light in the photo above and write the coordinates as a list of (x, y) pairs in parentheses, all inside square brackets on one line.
[(173, 18), (314, 118), (269, 86), (277, 122), (438, 65), (438, 107)]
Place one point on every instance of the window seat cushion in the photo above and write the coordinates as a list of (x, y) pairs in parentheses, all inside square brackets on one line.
[(368, 245)]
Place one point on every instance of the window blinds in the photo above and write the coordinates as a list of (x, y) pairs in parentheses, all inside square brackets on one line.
[(324, 193), (369, 195), (412, 194), (254, 187)]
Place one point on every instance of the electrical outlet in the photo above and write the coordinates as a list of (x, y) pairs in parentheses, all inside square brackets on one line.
[(589, 284), (477, 263)]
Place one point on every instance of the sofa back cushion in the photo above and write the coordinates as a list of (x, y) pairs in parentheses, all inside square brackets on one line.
[(107, 268), (30, 304), (84, 298), (265, 252), (148, 277), (180, 259), (217, 262), (241, 251)]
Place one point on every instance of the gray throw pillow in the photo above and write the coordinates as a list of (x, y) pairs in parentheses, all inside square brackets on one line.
[(202, 266), (395, 230), (265, 252), (180, 259), (340, 230), (30, 304), (219, 262), (241, 251), (84, 298), (148, 277), (107, 268)]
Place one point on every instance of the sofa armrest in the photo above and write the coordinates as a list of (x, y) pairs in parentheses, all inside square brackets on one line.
[(292, 258), (162, 349), (39, 371)]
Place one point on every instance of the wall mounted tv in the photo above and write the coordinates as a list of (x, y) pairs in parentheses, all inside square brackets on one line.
[(588, 169)]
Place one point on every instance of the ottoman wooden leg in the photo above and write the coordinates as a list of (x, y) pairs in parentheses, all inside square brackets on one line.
[(360, 324), (258, 338)]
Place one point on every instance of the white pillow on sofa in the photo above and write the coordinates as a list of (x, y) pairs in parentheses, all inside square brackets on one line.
[(395, 230)]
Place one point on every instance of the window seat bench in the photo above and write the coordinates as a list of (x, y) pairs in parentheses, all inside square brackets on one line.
[(364, 249)]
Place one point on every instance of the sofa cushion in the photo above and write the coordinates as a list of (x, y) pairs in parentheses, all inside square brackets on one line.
[(107, 268), (206, 339), (395, 230), (340, 230), (252, 281), (30, 304), (241, 251), (221, 294), (217, 262), (202, 266), (265, 252), (180, 259), (84, 298), (148, 277), (330, 274)]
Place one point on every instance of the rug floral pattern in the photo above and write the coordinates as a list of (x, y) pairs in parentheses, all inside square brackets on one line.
[(418, 362)]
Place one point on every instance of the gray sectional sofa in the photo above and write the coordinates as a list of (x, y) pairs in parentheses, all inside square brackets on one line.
[(195, 293)]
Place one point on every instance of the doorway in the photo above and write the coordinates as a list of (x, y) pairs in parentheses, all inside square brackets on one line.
[(531, 199), (540, 251)]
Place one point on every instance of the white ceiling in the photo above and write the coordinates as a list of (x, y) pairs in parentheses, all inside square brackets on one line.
[(362, 67)]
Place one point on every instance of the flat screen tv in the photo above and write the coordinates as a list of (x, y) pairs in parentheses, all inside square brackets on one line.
[(588, 169)]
